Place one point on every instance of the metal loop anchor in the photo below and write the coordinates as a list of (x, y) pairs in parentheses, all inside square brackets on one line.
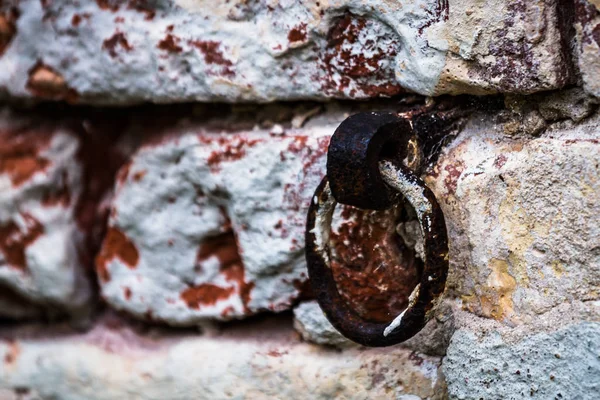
[(398, 181)]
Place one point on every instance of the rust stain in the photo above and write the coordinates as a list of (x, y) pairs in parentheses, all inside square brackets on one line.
[(374, 270), (441, 12), (212, 52), (46, 83), (108, 5), (116, 245), (224, 247), (14, 241), (116, 40), (20, 155), (227, 311), (143, 7), (205, 294), (295, 193), (77, 19), (170, 44), (361, 70), (100, 160), (453, 174), (297, 34), (230, 148), (213, 55), (277, 353)]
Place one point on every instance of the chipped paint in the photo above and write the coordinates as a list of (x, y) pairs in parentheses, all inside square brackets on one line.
[(230, 206)]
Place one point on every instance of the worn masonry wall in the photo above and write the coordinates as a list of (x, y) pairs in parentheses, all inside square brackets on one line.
[(157, 159)]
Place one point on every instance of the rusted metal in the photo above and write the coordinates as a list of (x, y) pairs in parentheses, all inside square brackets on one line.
[(365, 169), (354, 153)]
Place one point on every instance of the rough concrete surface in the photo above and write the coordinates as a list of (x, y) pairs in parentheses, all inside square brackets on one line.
[(561, 365), (522, 213), (110, 52), (259, 360)]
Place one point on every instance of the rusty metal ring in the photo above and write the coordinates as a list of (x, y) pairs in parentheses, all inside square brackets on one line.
[(356, 148), (424, 297)]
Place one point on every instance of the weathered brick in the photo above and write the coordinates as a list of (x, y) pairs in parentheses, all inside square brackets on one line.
[(175, 51)]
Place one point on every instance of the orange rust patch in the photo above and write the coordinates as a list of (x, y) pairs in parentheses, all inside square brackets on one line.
[(116, 244), (14, 241), (116, 40), (8, 28), (46, 83), (100, 160), (205, 294), (143, 7), (20, 155), (225, 248), (227, 311)]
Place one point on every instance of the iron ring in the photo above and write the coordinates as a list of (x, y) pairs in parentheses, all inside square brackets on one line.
[(427, 292)]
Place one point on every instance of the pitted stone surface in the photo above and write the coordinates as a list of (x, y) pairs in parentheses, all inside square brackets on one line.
[(110, 52), (522, 215), (561, 365), (259, 361)]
